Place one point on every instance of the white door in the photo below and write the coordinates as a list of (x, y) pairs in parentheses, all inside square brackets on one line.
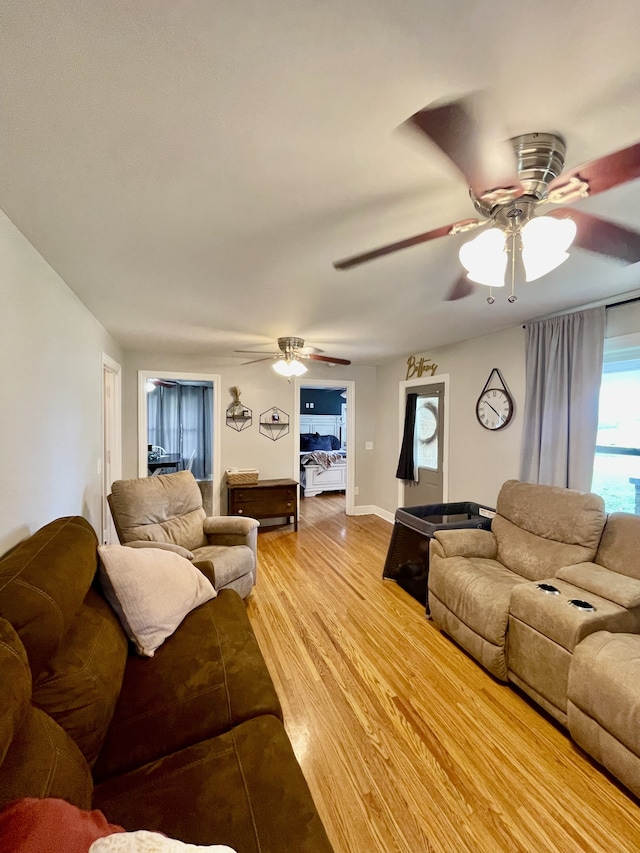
[(111, 442)]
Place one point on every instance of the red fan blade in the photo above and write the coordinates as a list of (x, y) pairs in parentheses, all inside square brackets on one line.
[(456, 227), (328, 359), (463, 287), (605, 173), (465, 132), (602, 236)]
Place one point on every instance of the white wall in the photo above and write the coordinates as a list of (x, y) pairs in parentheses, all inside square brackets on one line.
[(261, 388), (479, 460), (50, 424)]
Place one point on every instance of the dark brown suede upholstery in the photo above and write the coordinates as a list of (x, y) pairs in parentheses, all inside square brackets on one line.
[(189, 742), (205, 679)]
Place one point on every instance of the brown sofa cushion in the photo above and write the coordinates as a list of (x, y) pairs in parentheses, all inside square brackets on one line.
[(243, 788), (43, 582), (38, 758), (209, 676), (166, 508), (80, 685)]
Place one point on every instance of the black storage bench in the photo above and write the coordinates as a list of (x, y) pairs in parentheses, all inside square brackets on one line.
[(407, 560)]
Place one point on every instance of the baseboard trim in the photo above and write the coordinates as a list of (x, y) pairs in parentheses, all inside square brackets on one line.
[(374, 510)]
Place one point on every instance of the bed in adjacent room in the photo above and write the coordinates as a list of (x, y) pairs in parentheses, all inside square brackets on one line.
[(323, 457)]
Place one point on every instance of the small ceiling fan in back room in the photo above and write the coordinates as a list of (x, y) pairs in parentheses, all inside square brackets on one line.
[(510, 185), (289, 361)]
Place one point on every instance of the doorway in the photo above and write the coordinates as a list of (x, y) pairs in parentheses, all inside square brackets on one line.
[(431, 441), (340, 422), (179, 429), (111, 441)]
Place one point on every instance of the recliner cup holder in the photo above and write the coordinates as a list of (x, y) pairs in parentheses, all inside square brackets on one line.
[(579, 604), (548, 588)]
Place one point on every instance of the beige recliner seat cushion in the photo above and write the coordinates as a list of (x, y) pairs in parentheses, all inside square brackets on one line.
[(604, 703), (470, 602)]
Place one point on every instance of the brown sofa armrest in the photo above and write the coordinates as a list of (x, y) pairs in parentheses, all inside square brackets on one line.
[(163, 546), (206, 567), (467, 543), (620, 589)]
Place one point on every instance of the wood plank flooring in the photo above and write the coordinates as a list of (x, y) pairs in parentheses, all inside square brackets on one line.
[(408, 746)]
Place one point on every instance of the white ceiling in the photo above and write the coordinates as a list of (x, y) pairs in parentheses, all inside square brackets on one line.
[(191, 169)]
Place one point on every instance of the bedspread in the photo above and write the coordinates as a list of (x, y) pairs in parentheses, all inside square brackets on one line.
[(324, 458)]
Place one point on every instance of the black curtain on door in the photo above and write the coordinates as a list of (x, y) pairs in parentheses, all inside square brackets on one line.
[(406, 462)]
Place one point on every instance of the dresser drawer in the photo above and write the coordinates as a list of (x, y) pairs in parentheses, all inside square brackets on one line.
[(281, 493), (262, 508)]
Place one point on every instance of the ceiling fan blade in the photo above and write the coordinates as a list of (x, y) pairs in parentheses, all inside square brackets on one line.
[(602, 236), (463, 287), (464, 131), (604, 173), (327, 358), (456, 228), (256, 360)]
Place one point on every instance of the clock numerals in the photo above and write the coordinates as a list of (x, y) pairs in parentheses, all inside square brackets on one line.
[(494, 409)]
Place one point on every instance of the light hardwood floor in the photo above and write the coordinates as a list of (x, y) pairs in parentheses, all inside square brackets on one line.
[(408, 746)]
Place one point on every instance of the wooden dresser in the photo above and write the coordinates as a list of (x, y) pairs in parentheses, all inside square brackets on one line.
[(265, 499)]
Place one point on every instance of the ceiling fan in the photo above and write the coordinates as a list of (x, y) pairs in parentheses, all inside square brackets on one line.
[(509, 188), (289, 361)]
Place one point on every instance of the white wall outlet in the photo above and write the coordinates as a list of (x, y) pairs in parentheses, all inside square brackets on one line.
[(356, 491), (368, 445)]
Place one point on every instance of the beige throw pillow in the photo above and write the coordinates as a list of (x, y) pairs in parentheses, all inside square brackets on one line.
[(152, 591)]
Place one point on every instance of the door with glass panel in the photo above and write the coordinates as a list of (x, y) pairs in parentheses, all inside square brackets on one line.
[(428, 447)]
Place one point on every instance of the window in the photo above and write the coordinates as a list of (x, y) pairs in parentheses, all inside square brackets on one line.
[(616, 471), (426, 433)]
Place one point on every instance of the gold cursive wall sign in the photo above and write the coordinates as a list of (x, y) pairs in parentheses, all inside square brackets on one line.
[(416, 367)]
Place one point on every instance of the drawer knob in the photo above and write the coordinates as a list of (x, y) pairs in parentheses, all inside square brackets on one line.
[(240, 512), (288, 503)]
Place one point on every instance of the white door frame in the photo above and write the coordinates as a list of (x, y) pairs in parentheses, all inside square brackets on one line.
[(350, 386), (216, 422), (444, 379), (111, 441)]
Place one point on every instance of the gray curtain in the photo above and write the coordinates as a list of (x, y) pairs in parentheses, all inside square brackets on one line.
[(563, 374)]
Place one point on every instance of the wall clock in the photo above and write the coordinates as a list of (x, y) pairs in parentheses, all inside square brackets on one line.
[(494, 408)]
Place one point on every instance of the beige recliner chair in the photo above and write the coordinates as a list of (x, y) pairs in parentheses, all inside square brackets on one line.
[(473, 573), (166, 512), (547, 625)]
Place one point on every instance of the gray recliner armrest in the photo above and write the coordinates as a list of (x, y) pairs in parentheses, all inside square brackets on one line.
[(620, 589), (467, 543), (163, 546)]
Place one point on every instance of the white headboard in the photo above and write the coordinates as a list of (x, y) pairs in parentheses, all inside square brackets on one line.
[(322, 424)]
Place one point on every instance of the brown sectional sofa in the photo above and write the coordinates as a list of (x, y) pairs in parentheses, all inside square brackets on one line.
[(189, 742), (549, 600)]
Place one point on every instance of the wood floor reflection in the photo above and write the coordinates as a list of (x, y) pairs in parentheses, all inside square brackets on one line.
[(407, 744)]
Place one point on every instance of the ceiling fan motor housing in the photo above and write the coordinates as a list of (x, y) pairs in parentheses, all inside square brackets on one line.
[(539, 161), (291, 346)]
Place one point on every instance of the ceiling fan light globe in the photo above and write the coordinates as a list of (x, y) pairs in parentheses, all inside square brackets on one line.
[(545, 241), (485, 258), (548, 234), (536, 264), (289, 368)]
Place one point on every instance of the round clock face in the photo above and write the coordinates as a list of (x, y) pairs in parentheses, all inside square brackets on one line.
[(494, 408)]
